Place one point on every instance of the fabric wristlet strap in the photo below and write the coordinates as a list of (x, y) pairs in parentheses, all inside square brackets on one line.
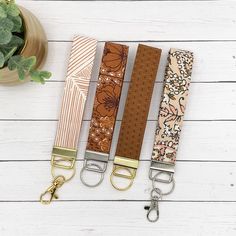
[(170, 120), (135, 114), (64, 152), (105, 108)]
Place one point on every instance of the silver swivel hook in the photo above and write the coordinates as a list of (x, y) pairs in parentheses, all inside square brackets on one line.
[(153, 209)]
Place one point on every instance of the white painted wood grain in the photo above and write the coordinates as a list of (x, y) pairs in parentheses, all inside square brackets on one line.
[(214, 61), (132, 20), (202, 141), (32, 101), (104, 218), (195, 181)]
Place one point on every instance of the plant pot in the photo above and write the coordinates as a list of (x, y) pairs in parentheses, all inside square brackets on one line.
[(35, 45)]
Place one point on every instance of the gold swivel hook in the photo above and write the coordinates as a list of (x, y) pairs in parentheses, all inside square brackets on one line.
[(47, 197)]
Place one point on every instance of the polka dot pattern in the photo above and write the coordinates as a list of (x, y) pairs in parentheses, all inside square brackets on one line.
[(138, 102)]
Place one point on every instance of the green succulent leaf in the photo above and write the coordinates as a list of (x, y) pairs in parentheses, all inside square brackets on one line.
[(21, 73), (14, 62), (15, 41), (3, 4), (2, 59), (45, 74), (21, 64), (3, 13), (40, 76), (12, 9), (18, 61), (6, 24), (17, 21), (28, 63), (9, 53), (6, 36), (9, 49)]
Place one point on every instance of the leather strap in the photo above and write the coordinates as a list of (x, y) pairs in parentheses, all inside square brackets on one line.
[(170, 120), (76, 87), (106, 103), (136, 108)]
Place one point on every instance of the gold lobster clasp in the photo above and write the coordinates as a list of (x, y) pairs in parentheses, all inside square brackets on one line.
[(50, 193)]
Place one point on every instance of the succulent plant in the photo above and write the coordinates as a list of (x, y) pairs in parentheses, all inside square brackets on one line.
[(12, 41)]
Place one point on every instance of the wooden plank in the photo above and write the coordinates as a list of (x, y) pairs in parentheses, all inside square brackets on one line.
[(208, 66), (206, 101), (195, 181), (155, 20), (117, 218), (202, 141)]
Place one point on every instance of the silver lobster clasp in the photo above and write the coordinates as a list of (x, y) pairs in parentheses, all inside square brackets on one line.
[(153, 209)]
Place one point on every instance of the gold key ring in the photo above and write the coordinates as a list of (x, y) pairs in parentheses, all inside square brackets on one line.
[(54, 175), (115, 172)]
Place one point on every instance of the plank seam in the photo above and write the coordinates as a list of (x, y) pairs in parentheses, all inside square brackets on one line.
[(55, 120), (123, 200), (111, 160), (155, 41)]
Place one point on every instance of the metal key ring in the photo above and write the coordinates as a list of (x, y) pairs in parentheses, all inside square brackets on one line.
[(66, 179), (129, 177), (157, 180), (156, 193), (86, 168)]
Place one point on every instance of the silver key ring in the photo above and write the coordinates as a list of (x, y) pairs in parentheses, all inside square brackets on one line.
[(85, 168), (156, 180), (156, 193)]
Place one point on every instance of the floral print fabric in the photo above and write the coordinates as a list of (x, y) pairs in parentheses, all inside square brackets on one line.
[(171, 114), (107, 97)]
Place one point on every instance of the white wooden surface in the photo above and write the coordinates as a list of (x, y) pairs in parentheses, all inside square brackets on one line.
[(204, 201)]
